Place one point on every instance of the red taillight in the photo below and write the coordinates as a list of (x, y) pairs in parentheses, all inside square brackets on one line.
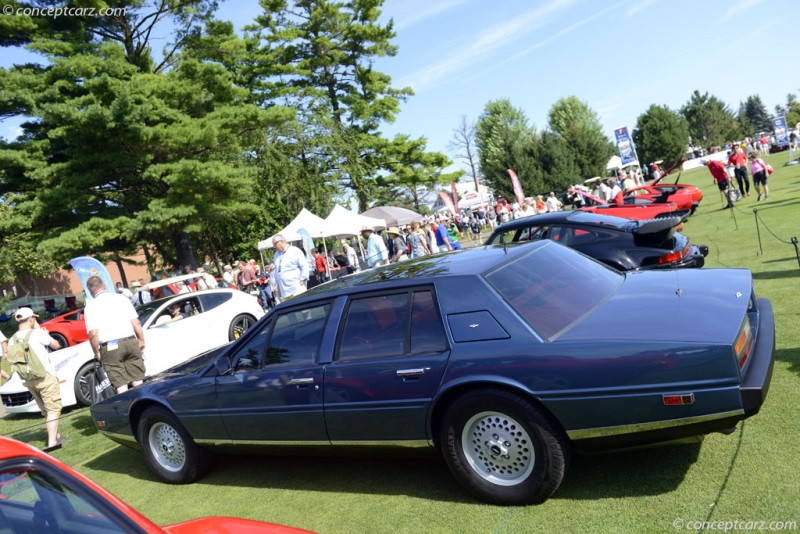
[(744, 344), (673, 256), (678, 400)]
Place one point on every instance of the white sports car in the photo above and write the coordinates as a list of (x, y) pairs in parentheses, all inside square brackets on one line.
[(214, 317)]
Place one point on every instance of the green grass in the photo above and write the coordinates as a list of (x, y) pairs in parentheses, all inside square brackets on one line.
[(753, 474)]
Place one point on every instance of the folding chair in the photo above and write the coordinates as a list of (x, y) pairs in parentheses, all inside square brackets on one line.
[(50, 307), (70, 303)]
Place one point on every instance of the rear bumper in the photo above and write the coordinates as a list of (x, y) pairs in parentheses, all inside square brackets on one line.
[(755, 382)]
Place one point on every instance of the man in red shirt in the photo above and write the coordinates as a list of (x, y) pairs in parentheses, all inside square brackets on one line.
[(738, 160), (322, 265), (720, 175)]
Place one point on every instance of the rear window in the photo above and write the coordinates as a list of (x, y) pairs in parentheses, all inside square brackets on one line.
[(553, 287)]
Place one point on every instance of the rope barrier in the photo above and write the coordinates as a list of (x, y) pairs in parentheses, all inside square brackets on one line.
[(80, 411), (792, 241)]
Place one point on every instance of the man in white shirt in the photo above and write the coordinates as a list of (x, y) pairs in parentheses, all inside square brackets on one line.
[(115, 335), (141, 296), (46, 391), (291, 269), (553, 204)]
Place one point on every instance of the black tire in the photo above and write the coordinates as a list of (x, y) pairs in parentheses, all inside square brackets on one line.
[(82, 394), (522, 461), (62, 340), (240, 324), (169, 450)]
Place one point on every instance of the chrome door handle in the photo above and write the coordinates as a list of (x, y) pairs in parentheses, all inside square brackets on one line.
[(406, 373), (301, 381)]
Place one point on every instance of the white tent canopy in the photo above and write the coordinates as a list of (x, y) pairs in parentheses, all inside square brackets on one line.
[(616, 163), (314, 225), (344, 223)]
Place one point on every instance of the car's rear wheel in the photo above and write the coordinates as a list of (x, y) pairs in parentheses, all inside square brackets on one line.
[(239, 326), (83, 395), (503, 449), (62, 340), (168, 448)]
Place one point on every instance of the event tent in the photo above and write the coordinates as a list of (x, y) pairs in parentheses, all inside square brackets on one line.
[(616, 163), (393, 215), (344, 223), (313, 224)]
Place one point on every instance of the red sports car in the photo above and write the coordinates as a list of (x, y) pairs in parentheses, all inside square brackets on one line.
[(641, 211), (685, 197), (40, 494), (68, 329)]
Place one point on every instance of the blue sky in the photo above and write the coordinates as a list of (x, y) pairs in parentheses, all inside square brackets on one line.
[(618, 57)]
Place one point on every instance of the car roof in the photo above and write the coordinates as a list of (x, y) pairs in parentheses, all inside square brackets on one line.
[(469, 262), (576, 217)]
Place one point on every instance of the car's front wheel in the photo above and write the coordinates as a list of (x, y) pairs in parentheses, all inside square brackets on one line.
[(239, 326), (83, 395), (503, 449), (62, 340), (168, 448)]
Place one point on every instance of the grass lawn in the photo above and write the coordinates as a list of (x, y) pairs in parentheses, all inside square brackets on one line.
[(751, 475)]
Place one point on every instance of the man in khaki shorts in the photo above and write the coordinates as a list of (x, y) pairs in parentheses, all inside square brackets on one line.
[(46, 391), (115, 335)]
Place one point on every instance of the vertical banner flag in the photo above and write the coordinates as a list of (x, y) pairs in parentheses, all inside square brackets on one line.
[(308, 243), (86, 267), (781, 135), (626, 152), (517, 187), (448, 202), (454, 192)]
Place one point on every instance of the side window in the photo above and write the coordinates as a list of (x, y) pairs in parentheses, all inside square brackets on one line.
[(427, 333), (375, 327), (212, 300), (297, 335), (530, 234), (250, 355)]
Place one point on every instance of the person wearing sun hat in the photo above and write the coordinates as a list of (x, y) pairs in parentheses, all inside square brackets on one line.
[(377, 254), (45, 391), (399, 248)]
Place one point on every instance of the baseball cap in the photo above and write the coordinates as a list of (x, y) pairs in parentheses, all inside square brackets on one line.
[(23, 314)]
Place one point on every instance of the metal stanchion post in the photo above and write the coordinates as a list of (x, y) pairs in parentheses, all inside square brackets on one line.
[(796, 250), (758, 231)]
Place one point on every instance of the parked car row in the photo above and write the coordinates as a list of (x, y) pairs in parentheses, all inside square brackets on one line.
[(214, 317)]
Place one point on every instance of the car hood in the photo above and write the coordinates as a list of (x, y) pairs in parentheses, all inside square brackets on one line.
[(189, 367), (59, 358), (693, 305)]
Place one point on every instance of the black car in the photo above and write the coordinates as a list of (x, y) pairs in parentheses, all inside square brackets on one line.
[(624, 244)]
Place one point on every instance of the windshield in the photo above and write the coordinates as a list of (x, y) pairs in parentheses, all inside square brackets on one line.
[(146, 310), (553, 287)]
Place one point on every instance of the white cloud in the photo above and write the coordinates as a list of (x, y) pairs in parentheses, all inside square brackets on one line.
[(741, 5), (486, 43), (640, 6), (409, 13)]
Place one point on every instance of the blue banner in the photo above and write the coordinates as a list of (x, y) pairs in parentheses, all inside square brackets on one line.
[(781, 133), (626, 150), (308, 243), (86, 267)]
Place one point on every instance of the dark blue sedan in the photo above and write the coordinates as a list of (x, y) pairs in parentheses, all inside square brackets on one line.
[(505, 359)]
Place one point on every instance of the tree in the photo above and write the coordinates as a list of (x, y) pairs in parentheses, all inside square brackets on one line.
[(464, 147), (318, 55), (709, 120), (505, 141), (120, 156), (660, 134), (580, 128), (755, 115)]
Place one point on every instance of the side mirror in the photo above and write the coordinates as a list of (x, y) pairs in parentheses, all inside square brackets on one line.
[(222, 366)]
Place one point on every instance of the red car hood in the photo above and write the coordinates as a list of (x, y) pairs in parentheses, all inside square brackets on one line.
[(229, 525)]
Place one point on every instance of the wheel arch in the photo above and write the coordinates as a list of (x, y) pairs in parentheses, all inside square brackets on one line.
[(446, 399), (138, 408)]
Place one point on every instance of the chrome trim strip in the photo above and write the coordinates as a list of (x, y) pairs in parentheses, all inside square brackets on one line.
[(404, 444), (587, 433)]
